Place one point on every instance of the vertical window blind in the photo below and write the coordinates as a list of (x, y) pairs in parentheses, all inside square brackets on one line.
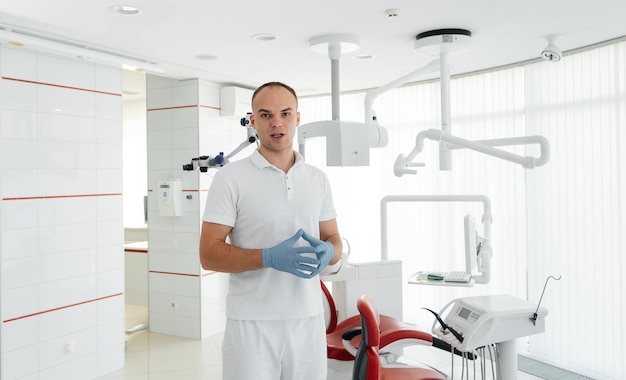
[(564, 218), (576, 209)]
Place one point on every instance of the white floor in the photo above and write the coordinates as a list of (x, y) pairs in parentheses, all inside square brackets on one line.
[(163, 357)]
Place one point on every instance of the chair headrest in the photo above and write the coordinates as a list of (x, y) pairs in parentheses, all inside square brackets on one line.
[(370, 320)]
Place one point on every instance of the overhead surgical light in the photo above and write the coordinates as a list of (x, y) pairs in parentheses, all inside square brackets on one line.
[(442, 43), (347, 142), (445, 42)]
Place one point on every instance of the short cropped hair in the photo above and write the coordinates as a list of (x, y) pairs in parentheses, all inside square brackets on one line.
[(275, 84)]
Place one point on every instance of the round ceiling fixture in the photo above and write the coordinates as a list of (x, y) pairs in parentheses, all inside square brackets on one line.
[(207, 57), (449, 40), (125, 10), (363, 56), (264, 37), (334, 44)]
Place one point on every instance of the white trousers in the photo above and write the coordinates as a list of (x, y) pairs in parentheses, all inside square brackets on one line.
[(293, 349)]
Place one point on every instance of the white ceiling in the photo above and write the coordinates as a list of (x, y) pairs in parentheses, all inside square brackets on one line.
[(173, 33)]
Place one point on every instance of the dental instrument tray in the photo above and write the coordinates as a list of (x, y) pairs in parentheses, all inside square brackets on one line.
[(453, 278)]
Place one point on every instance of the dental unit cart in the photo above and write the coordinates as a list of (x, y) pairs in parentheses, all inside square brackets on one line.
[(487, 320)]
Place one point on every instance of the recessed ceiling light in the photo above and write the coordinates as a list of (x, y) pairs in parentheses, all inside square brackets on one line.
[(363, 56), (125, 10), (16, 43), (264, 37), (207, 57)]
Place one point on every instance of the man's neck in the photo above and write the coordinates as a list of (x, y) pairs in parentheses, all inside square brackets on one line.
[(283, 160)]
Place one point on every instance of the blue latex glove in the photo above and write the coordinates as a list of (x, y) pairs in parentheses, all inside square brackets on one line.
[(287, 258), (324, 250)]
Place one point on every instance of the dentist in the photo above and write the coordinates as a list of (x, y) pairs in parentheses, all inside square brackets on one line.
[(270, 222)]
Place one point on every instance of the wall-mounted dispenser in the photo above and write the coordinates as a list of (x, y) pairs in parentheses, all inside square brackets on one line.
[(170, 197)]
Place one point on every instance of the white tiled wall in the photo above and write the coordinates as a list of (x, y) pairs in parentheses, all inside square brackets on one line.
[(184, 299), (61, 234)]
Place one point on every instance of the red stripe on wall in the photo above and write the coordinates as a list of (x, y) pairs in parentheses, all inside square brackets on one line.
[(62, 307), (61, 86), (182, 274), (135, 250), (211, 107), (179, 107), (170, 108), (61, 196)]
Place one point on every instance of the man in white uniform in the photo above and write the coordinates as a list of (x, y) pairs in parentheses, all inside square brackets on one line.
[(278, 216)]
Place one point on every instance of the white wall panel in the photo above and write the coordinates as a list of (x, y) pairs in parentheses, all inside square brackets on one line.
[(19, 63), (20, 125), (53, 211), (161, 283), (19, 183), (20, 334), (19, 273), (110, 282), (157, 98), (52, 353), (160, 322), (67, 321), (18, 96), (109, 258), (109, 181), (18, 215), (18, 243), (66, 264), (108, 131), (67, 291), (109, 79), (108, 107), (69, 128), (54, 218), (21, 363), (188, 286), (19, 302), (64, 182), (65, 72), (18, 154), (51, 99)]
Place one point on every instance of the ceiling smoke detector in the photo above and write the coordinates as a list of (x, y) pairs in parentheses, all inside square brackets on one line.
[(392, 13)]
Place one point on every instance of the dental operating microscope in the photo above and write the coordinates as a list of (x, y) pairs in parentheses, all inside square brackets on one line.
[(204, 163)]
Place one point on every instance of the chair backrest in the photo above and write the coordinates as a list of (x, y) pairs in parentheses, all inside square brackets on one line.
[(330, 310), (367, 363)]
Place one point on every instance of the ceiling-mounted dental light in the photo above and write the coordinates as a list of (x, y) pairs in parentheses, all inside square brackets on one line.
[(347, 142), (443, 42), (551, 53), (448, 40)]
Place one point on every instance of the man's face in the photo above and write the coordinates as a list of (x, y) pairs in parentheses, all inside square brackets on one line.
[(275, 118)]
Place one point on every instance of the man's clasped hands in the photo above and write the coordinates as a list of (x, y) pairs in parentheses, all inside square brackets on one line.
[(305, 262)]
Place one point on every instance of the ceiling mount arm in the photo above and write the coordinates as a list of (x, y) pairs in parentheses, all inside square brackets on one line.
[(371, 95), (485, 146)]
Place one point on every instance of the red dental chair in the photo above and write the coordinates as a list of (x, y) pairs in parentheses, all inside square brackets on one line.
[(367, 364), (341, 352)]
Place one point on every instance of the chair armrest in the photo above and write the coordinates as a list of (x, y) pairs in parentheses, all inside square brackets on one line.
[(347, 336)]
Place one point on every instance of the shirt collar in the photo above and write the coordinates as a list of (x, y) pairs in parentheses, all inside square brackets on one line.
[(260, 162)]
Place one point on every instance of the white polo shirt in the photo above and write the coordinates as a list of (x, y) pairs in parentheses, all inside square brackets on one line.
[(264, 206)]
